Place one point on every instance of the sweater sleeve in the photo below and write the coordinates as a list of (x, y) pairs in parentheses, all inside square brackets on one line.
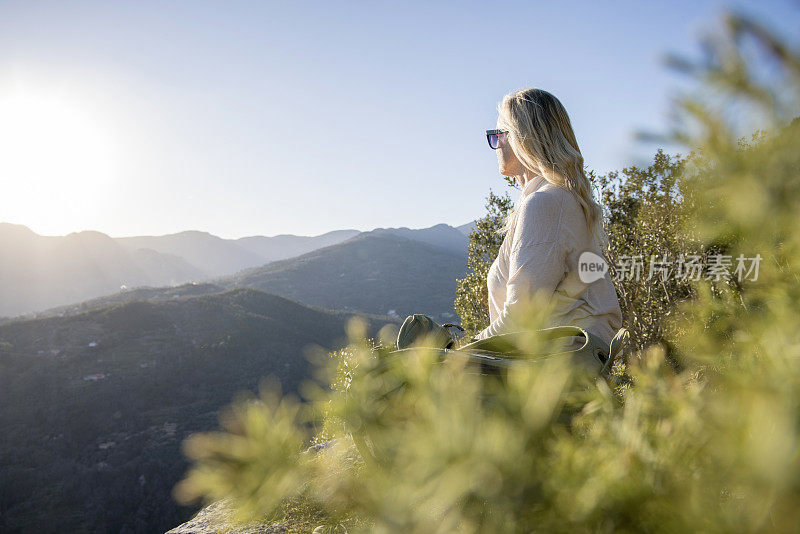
[(537, 258)]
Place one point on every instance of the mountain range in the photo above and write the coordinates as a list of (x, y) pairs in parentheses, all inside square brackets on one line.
[(38, 273), (102, 384), (375, 272)]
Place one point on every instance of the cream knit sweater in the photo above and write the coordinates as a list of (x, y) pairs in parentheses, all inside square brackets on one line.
[(540, 254)]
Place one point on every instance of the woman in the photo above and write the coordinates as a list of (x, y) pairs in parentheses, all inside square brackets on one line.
[(554, 221)]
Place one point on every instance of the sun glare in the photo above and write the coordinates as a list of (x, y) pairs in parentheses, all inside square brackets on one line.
[(56, 162)]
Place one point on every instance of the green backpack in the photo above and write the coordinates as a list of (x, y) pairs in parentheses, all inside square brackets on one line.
[(503, 350), (418, 327)]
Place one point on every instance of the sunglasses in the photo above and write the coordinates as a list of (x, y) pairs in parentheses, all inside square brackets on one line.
[(493, 136)]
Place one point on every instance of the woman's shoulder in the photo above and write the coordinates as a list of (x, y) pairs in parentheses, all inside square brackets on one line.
[(552, 206), (549, 201), (539, 217)]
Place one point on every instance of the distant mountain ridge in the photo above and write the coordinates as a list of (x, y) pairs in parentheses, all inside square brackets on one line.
[(468, 228), (42, 272), (281, 247), (37, 272), (214, 255), (377, 272), (440, 235)]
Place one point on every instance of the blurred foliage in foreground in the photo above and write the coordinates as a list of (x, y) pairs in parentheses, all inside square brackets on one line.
[(714, 447)]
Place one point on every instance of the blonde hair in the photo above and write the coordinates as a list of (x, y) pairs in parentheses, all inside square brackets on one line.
[(540, 135)]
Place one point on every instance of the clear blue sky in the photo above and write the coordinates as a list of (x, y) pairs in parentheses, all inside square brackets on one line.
[(261, 118)]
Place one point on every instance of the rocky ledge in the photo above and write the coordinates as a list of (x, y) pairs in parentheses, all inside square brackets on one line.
[(217, 518)]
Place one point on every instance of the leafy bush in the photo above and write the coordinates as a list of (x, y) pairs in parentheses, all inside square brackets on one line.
[(424, 445)]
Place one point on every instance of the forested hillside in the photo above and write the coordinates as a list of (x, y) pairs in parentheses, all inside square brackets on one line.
[(95, 405), (374, 272)]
